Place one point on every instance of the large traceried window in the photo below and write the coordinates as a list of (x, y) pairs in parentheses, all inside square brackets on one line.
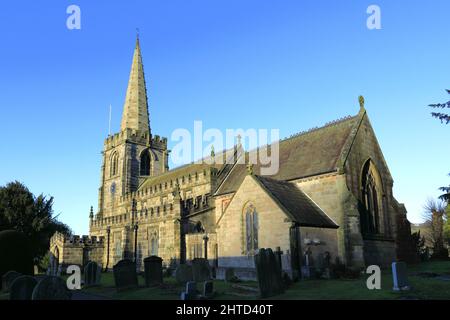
[(114, 167), (372, 204), (251, 229), (145, 163)]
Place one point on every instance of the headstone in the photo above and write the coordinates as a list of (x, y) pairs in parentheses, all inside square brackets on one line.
[(153, 270), (125, 275), (52, 265), (92, 274), (22, 288), (400, 276), (59, 271), (268, 273), (191, 291), (307, 268), (208, 289), (51, 288), (183, 273), (201, 270), (8, 278), (279, 256), (229, 274)]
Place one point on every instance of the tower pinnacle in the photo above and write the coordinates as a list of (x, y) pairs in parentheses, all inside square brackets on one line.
[(135, 109)]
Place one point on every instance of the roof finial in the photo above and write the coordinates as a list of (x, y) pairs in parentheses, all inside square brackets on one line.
[(250, 169), (137, 33), (239, 137), (361, 103)]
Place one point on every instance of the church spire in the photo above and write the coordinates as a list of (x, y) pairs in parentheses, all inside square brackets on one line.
[(135, 110)]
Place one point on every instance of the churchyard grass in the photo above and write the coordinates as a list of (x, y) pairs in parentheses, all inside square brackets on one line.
[(421, 277)]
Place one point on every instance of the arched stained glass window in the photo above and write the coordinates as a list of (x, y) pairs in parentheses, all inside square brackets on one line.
[(251, 229), (372, 205)]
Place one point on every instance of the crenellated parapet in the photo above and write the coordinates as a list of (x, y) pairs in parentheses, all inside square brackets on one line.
[(132, 135), (60, 239), (158, 142)]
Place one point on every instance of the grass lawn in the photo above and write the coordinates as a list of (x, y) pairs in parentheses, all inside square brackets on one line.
[(423, 287)]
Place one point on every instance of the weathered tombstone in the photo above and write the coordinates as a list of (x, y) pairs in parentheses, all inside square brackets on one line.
[(268, 273), (201, 270), (191, 291), (208, 289), (183, 273), (153, 270), (400, 276), (22, 288), (307, 267), (59, 270), (51, 288), (8, 278), (125, 275), (326, 265), (52, 265), (279, 257), (229, 274), (92, 274)]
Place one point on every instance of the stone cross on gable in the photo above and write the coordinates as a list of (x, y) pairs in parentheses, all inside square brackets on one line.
[(239, 137)]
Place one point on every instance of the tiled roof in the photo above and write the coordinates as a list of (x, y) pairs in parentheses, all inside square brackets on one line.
[(306, 154), (296, 204)]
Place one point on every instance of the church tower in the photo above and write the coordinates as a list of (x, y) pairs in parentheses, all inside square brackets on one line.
[(133, 154)]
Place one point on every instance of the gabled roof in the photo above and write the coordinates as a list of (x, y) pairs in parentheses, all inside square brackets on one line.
[(310, 153), (296, 204)]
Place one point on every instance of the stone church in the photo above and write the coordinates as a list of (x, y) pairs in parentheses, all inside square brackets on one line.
[(331, 197)]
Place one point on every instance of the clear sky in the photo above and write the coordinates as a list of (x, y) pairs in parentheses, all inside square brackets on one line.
[(290, 65)]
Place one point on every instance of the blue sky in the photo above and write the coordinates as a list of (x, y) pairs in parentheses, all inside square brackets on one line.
[(290, 65)]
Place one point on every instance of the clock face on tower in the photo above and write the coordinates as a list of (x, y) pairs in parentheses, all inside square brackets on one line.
[(113, 188)]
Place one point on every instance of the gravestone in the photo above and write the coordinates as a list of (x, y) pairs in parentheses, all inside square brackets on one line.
[(279, 257), (59, 271), (153, 271), (191, 291), (51, 288), (8, 278), (22, 288), (183, 273), (208, 289), (400, 276), (268, 273), (125, 275), (326, 274), (92, 274), (201, 270), (229, 274), (307, 267), (52, 266)]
